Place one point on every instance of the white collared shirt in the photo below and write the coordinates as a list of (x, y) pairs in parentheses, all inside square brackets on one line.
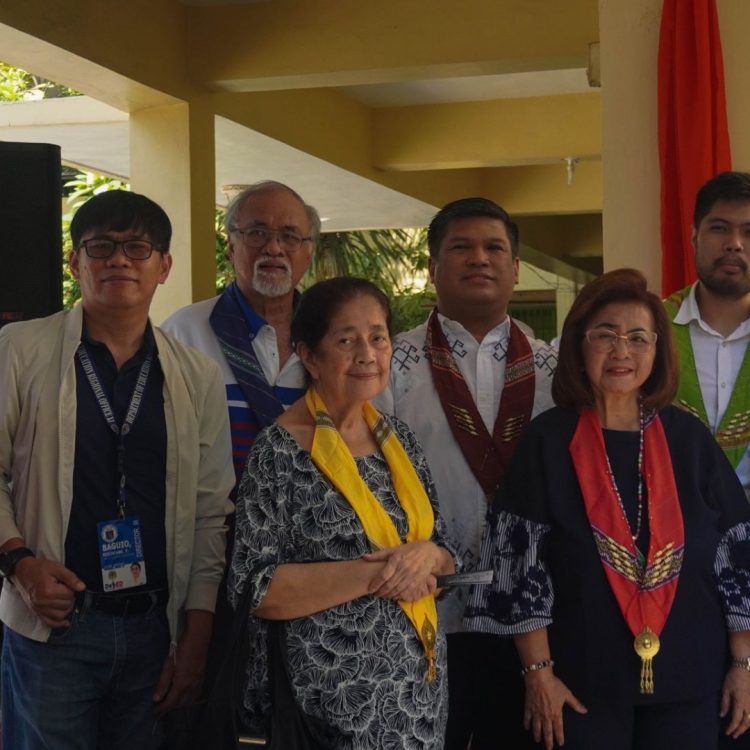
[(412, 397), (718, 360)]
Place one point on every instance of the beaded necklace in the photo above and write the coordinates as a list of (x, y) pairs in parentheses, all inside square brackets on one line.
[(639, 504)]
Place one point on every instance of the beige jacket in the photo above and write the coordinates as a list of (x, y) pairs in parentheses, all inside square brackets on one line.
[(37, 453)]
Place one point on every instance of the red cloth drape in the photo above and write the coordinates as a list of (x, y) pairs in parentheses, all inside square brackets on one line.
[(693, 134)]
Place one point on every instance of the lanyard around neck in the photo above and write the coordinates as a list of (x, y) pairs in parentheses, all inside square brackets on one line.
[(106, 409)]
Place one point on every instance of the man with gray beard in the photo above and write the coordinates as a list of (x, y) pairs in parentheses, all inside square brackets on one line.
[(272, 234), (711, 319)]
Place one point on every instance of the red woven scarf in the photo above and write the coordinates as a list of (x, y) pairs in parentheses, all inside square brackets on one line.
[(644, 594), (487, 455)]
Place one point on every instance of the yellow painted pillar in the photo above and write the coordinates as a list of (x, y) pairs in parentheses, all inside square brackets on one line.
[(172, 162), (734, 17), (629, 36)]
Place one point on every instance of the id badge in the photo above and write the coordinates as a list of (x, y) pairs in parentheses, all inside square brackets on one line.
[(121, 553)]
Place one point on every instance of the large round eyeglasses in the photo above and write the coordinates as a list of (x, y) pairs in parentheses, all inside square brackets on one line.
[(257, 237), (604, 340)]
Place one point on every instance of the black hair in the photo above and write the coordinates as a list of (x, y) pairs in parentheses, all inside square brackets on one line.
[(120, 211), (726, 186), (321, 302), (464, 208)]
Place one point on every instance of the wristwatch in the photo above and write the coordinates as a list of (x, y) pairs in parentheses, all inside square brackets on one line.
[(9, 560)]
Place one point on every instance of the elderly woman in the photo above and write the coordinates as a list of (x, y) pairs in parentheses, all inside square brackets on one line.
[(338, 537), (620, 546)]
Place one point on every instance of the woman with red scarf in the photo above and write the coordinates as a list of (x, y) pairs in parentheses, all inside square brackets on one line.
[(620, 542)]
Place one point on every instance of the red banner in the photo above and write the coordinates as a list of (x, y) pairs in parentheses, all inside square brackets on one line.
[(693, 134)]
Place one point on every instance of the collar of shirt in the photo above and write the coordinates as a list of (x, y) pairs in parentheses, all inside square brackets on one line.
[(453, 328), (147, 347), (254, 322), (689, 312)]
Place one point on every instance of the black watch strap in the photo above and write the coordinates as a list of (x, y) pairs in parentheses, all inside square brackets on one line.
[(9, 560)]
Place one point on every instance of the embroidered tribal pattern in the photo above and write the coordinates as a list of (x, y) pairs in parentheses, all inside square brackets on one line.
[(512, 428), (463, 419), (444, 360), (240, 359), (617, 557), (664, 568), (685, 406), (381, 430), (520, 369), (736, 431), (323, 419)]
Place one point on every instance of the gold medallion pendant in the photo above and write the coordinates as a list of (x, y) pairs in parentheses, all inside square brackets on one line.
[(647, 646)]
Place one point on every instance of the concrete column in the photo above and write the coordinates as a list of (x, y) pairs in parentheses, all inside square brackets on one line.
[(172, 162), (629, 36)]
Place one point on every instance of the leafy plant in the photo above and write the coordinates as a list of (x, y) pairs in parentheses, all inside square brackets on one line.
[(20, 85), (393, 259)]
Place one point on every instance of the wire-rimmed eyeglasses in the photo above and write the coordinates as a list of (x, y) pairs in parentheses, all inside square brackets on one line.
[(257, 237), (102, 247), (604, 340)]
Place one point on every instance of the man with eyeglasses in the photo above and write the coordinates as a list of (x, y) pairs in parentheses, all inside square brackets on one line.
[(272, 233), (711, 318), (114, 457), (467, 382)]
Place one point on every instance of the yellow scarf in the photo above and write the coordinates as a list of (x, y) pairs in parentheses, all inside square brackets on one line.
[(334, 459)]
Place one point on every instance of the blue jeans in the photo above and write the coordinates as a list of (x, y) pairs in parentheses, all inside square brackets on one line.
[(89, 686)]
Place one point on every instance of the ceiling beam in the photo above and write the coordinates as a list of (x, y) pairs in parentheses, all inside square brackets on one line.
[(502, 132), (312, 43), (339, 130), (130, 55)]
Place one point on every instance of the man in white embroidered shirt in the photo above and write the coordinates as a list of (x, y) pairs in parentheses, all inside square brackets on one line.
[(711, 318), (467, 382)]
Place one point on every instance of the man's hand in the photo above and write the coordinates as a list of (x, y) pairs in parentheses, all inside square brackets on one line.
[(48, 588), (182, 675)]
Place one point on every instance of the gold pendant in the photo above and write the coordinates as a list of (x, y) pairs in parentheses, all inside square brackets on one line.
[(647, 646)]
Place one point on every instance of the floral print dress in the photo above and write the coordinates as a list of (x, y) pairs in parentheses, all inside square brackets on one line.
[(358, 666)]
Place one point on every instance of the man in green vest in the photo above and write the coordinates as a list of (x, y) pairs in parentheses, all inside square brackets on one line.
[(711, 318)]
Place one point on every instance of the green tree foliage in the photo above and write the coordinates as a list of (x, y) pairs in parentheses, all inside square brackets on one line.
[(224, 270), (19, 85), (393, 259)]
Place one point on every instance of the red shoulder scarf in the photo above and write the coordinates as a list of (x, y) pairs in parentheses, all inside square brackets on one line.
[(645, 594)]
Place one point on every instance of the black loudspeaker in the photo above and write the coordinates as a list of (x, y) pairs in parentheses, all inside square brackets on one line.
[(30, 231)]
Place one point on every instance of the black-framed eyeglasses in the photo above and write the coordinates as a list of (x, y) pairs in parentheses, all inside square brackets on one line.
[(257, 237), (101, 247), (604, 340)]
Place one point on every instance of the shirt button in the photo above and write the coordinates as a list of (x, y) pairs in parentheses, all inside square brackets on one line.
[(723, 385), (723, 343)]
